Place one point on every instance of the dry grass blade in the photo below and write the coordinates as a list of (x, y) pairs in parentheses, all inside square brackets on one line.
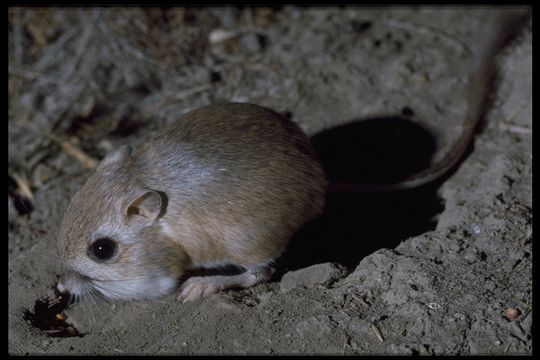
[(68, 147), (86, 160), (23, 185), (377, 332)]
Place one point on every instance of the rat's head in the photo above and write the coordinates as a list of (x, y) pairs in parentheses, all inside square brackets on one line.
[(111, 241)]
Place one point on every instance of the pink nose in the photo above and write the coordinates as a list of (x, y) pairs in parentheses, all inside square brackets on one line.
[(61, 287)]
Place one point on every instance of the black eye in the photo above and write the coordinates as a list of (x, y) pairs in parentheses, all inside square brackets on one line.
[(102, 249)]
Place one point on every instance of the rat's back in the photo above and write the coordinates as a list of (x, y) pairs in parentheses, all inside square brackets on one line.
[(246, 174)]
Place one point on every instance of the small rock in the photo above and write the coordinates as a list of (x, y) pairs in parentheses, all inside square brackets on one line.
[(320, 274), (220, 35), (511, 313)]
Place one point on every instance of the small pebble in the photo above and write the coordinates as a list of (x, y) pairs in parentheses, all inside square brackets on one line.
[(511, 313), (220, 35)]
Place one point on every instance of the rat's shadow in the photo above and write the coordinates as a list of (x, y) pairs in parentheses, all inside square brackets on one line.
[(354, 225)]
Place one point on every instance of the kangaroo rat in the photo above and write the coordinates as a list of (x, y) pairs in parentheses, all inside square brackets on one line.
[(223, 184)]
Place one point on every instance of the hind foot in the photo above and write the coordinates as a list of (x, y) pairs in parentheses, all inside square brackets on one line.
[(200, 286)]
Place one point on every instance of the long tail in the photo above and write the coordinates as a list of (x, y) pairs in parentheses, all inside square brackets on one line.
[(497, 32)]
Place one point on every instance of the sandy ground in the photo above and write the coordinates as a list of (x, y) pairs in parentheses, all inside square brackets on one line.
[(425, 272)]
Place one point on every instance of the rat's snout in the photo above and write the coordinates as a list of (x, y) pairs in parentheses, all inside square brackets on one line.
[(61, 287), (65, 283), (71, 283)]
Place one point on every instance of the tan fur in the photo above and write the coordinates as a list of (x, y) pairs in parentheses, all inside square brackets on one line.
[(235, 182)]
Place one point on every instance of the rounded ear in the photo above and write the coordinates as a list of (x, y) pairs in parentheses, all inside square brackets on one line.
[(150, 205), (114, 158)]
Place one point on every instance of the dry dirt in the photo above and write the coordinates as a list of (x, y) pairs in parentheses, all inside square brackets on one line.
[(432, 271)]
